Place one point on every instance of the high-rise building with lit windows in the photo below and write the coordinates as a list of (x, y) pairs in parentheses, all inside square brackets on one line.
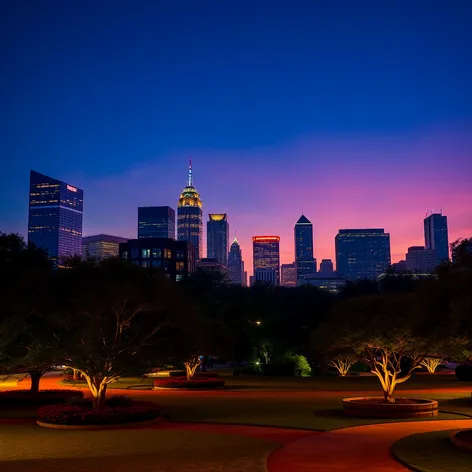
[(304, 260), (156, 222), (190, 216), (55, 217), (218, 237), (266, 254), (101, 246), (288, 277), (236, 264), (176, 259), (436, 236), (362, 253)]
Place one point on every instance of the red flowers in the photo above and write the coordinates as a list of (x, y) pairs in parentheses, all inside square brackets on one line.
[(80, 415)]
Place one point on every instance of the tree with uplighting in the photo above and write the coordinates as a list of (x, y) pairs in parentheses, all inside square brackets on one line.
[(114, 313)]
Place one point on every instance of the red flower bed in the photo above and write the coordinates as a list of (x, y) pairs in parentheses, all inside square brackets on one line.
[(43, 397), (80, 415), (210, 381)]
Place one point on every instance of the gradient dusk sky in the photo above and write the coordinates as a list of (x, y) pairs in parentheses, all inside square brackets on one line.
[(358, 113)]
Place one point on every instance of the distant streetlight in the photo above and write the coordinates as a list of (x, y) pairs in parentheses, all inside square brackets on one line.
[(258, 323)]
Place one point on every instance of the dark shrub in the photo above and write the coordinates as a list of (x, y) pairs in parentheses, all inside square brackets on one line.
[(80, 415), (119, 401), (182, 382), (251, 369), (464, 372), (282, 369), (43, 397), (359, 367)]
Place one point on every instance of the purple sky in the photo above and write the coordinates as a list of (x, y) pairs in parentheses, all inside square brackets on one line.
[(337, 181)]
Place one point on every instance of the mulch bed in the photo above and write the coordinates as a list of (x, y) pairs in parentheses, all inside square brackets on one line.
[(465, 436)]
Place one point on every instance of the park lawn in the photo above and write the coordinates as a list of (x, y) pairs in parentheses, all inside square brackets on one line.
[(30, 448), (432, 452), (283, 409)]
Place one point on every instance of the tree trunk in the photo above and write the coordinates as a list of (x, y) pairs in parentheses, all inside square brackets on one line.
[(75, 374), (98, 387), (35, 378), (100, 399)]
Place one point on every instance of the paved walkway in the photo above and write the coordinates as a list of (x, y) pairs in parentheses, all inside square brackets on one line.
[(361, 448)]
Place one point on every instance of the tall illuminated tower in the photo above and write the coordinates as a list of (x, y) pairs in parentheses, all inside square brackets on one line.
[(304, 260), (217, 237), (266, 255), (55, 217), (436, 236), (190, 216), (235, 263)]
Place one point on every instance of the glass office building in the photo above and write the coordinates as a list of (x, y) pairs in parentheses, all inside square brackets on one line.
[(304, 259), (362, 253), (156, 222), (436, 236), (55, 217), (266, 254), (218, 237)]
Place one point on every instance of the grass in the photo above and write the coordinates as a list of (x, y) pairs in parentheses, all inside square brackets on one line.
[(432, 452), (282, 410), (304, 403), (124, 450)]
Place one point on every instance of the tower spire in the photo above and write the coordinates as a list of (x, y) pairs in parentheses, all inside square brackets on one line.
[(190, 180)]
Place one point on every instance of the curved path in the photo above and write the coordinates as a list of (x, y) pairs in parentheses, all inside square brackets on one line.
[(363, 448)]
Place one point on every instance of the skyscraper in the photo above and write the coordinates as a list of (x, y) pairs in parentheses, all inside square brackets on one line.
[(156, 222), (304, 259), (55, 217), (362, 253), (190, 216), (266, 254), (288, 275), (236, 264), (217, 237), (101, 246), (436, 236)]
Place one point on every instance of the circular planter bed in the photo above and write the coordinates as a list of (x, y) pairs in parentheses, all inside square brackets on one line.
[(44, 397), (376, 407), (203, 380), (84, 417), (462, 439)]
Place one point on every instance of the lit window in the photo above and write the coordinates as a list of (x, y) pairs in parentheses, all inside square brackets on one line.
[(146, 253)]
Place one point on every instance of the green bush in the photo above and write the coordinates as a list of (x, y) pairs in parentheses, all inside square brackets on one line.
[(359, 366)]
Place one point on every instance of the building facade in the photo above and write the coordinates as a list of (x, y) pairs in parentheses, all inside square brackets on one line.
[(331, 284), (156, 222), (436, 236), (190, 216), (266, 276), (55, 217), (101, 246), (218, 237), (420, 260), (362, 253), (288, 275), (326, 267), (304, 253), (175, 258), (236, 264), (266, 254), (211, 265)]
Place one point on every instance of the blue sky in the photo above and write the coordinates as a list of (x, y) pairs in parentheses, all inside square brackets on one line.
[(101, 91)]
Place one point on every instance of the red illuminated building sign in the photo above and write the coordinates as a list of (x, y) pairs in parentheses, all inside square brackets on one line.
[(265, 239), (72, 189)]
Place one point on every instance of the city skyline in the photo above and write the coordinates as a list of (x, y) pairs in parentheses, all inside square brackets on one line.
[(337, 118), (288, 255)]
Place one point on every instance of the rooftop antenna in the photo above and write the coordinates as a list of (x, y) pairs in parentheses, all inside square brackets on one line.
[(190, 180)]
